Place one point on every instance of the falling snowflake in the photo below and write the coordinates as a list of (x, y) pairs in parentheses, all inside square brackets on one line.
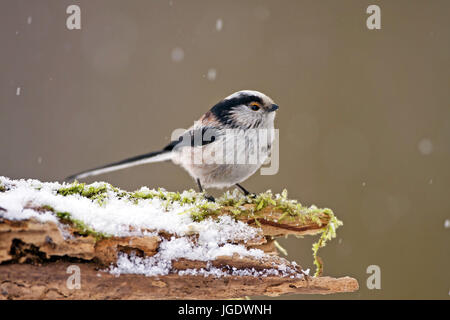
[(18, 91), (425, 146), (212, 74), (219, 24), (177, 54)]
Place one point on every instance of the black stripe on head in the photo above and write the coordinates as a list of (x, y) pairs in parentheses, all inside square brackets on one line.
[(223, 108)]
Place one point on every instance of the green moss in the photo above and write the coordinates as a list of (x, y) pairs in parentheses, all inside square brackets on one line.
[(48, 208), (204, 210), (234, 202), (280, 248), (95, 193), (81, 189), (137, 195), (80, 227), (187, 197), (328, 233), (2, 188), (292, 210)]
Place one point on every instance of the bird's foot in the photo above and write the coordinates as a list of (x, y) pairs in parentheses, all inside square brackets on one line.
[(250, 195), (245, 191), (210, 198)]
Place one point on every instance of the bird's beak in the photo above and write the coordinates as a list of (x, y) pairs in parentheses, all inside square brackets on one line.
[(273, 108)]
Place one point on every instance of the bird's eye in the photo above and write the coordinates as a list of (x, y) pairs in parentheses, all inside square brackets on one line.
[(255, 106)]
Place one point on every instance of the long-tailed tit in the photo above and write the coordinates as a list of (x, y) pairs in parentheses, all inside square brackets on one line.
[(228, 144)]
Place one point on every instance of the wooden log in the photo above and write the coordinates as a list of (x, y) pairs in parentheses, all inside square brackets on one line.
[(35, 260), (35, 256), (49, 281)]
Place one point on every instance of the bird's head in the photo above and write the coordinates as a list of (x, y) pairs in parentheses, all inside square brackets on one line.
[(245, 109)]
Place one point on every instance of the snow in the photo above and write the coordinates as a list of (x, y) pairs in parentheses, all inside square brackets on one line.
[(219, 24), (120, 216), (174, 249), (425, 146), (184, 247), (212, 74), (157, 265), (177, 54), (216, 272)]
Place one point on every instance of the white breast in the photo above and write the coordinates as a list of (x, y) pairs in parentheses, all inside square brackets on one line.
[(231, 159)]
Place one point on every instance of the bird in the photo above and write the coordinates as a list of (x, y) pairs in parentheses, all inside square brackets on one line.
[(227, 145)]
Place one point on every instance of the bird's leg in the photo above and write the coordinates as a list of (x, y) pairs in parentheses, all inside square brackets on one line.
[(199, 185), (209, 198), (245, 191)]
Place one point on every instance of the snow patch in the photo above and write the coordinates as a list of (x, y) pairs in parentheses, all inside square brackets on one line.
[(119, 216)]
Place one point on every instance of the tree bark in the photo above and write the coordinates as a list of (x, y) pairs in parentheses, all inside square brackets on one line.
[(34, 258), (48, 281)]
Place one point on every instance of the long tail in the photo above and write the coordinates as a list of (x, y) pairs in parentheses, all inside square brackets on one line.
[(157, 156)]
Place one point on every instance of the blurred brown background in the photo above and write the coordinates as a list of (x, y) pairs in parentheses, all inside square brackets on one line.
[(364, 115)]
